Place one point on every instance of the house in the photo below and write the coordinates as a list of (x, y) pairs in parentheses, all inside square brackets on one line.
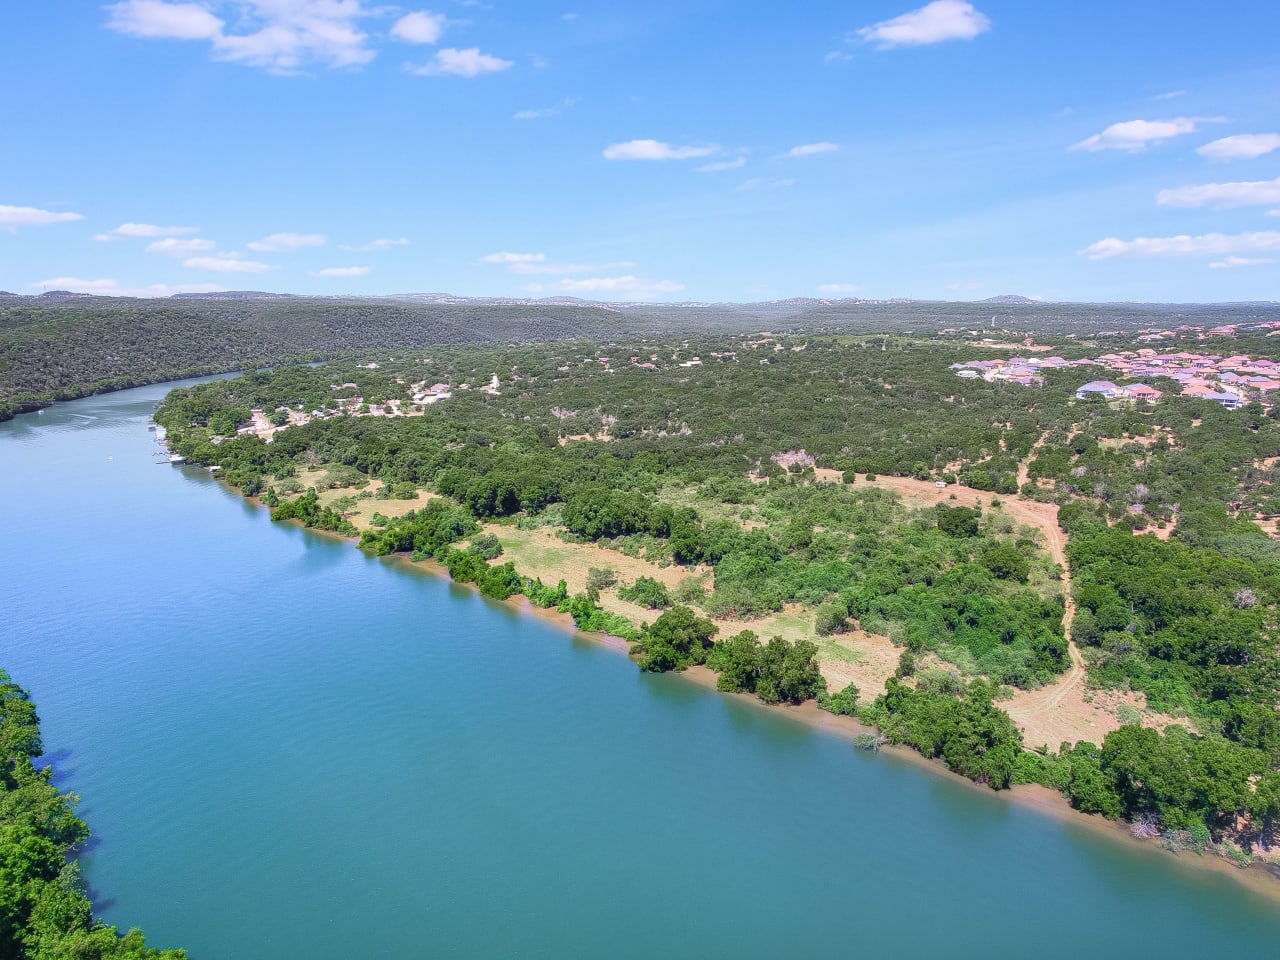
[(1102, 388), (1228, 400), (1140, 391)]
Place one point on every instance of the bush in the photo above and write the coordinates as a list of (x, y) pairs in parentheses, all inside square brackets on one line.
[(843, 703), (676, 640), (601, 579), (647, 592), (1129, 715), (906, 664), (831, 618), (486, 546), (689, 589), (870, 742)]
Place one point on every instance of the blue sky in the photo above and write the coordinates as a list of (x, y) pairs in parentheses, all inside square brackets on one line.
[(696, 149)]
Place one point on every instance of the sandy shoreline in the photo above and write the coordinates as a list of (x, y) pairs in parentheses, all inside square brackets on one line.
[(1258, 878)]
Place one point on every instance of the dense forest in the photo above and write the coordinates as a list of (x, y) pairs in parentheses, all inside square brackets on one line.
[(752, 466), (44, 912), (61, 346)]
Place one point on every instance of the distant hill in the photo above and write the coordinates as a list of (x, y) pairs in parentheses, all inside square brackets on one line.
[(1009, 298), (60, 344), (234, 295)]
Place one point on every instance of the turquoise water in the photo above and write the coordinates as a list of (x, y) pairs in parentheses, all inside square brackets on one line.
[(288, 749)]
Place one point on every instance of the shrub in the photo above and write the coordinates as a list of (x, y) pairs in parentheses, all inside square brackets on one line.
[(843, 703), (601, 579), (486, 546), (1129, 715), (647, 592)]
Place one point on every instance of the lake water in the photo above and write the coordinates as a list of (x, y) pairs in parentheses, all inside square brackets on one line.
[(288, 749)]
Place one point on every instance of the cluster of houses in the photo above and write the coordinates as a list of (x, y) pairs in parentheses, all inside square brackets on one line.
[(1230, 381)]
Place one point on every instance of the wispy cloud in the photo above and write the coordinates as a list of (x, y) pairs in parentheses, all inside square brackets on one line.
[(625, 285), (1231, 263), (766, 183), (11, 218), (144, 231), (811, 149), (377, 246), (655, 150), (543, 113), (510, 258), (114, 288), (460, 63), (716, 166), (1242, 146), (173, 247), (932, 23), (284, 242), (1184, 246), (1134, 136), (1170, 95), (421, 26), (227, 263), (534, 264), (341, 272), (1256, 193)]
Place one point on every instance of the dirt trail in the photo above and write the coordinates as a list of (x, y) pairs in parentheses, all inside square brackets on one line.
[(1025, 466)]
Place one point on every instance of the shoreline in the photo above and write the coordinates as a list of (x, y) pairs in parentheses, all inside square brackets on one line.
[(1259, 878)]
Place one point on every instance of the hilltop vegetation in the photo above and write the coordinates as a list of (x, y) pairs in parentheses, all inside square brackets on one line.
[(64, 346)]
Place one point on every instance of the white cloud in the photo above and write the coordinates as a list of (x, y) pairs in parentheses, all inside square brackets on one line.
[(1184, 246), (173, 21), (837, 56), (114, 288), (1257, 193), (341, 272), (1243, 146), (11, 218), (1133, 136), (421, 26), (654, 150), (460, 63), (838, 288), (1273, 213), (718, 165), (1171, 95), (811, 149), (932, 23), (536, 264), (279, 242), (282, 36), (227, 263), (534, 269), (513, 258), (631, 285), (1231, 262), (543, 112), (144, 231), (173, 247), (377, 246), (764, 183)]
